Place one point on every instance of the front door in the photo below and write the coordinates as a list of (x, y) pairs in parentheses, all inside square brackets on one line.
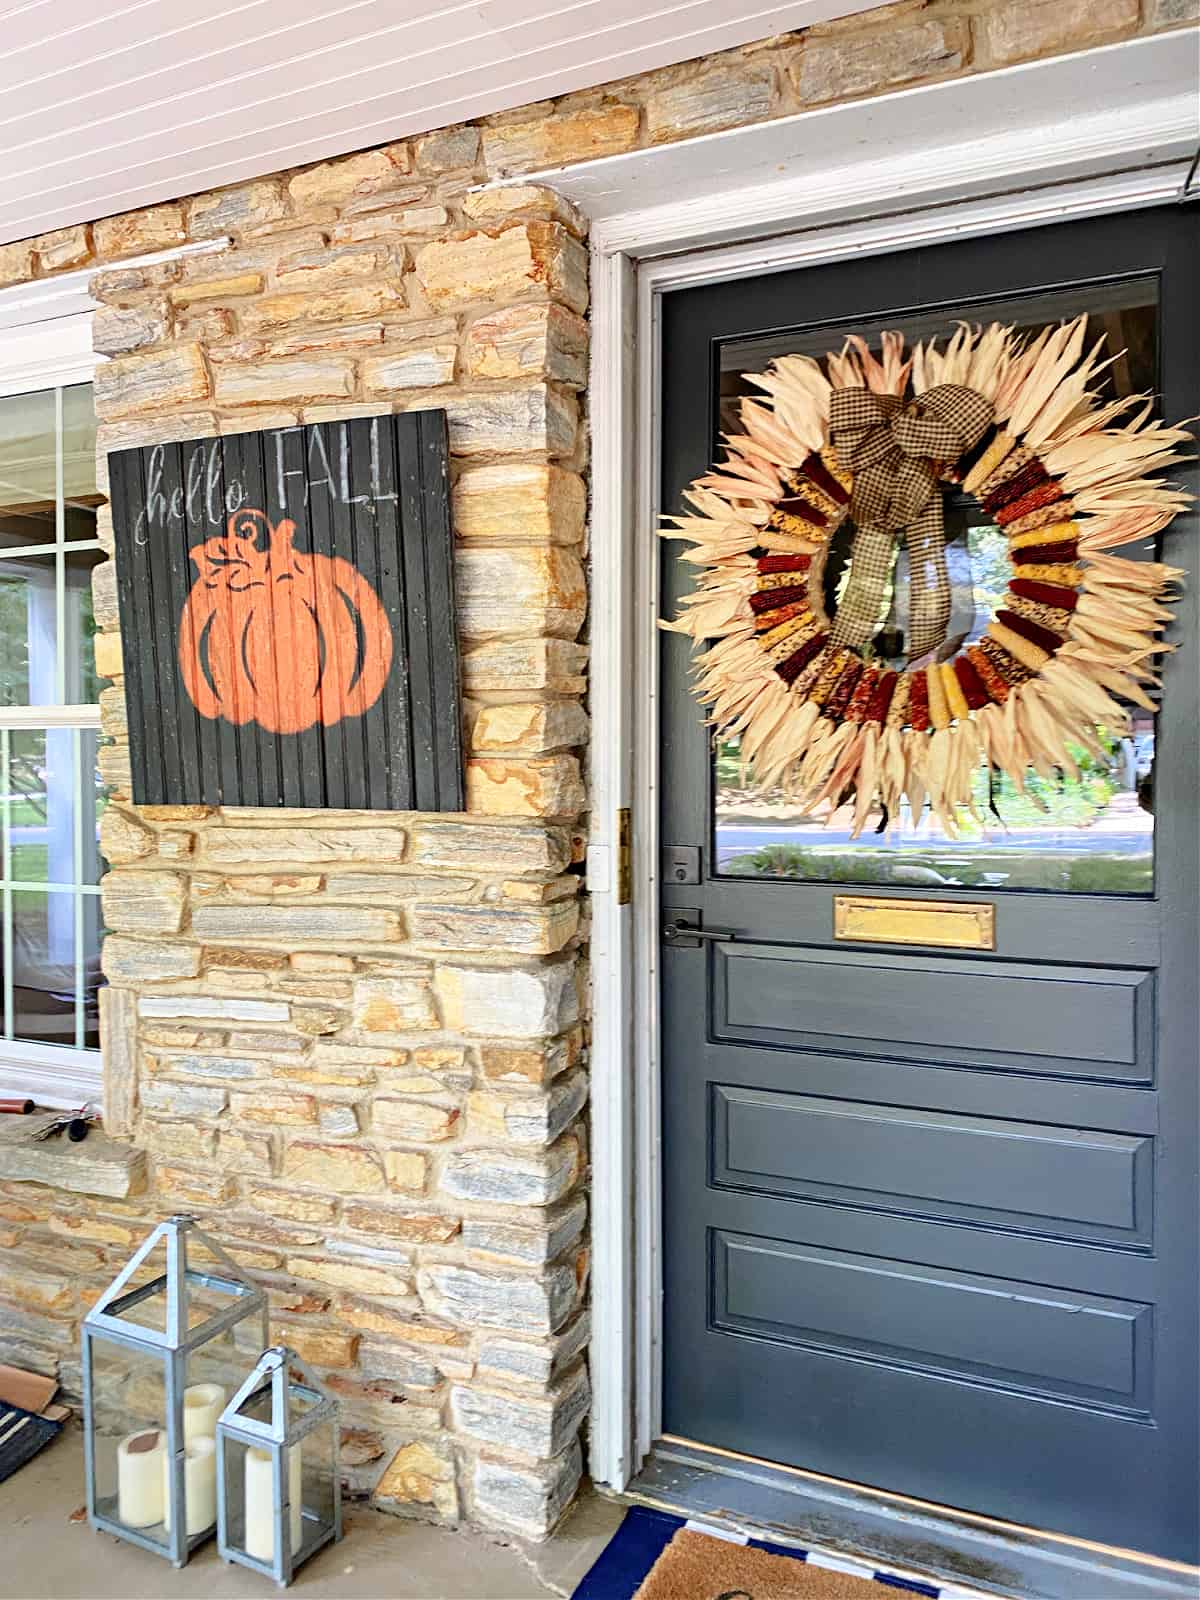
[(930, 1216)]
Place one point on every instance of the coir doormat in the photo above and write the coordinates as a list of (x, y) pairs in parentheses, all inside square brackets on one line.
[(655, 1556)]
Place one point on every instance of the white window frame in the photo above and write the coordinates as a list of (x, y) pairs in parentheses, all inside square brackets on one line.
[(46, 343), (48, 349)]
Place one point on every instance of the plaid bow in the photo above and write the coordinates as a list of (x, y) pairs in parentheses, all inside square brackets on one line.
[(894, 451)]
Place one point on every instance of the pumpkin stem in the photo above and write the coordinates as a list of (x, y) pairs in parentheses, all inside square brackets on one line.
[(281, 551)]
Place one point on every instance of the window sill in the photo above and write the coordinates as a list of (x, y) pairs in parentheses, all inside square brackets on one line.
[(96, 1165), (63, 1079)]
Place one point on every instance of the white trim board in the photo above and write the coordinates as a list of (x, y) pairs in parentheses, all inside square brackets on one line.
[(68, 294), (1073, 116), (1133, 152), (47, 355), (46, 324)]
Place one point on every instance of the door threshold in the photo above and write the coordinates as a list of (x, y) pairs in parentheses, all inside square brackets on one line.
[(939, 1543)]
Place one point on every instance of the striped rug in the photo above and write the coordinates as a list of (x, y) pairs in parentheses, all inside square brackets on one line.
[(655, 1556), (22, 1435)]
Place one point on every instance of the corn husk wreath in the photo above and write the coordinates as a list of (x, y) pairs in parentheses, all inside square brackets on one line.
[(1077, 635)]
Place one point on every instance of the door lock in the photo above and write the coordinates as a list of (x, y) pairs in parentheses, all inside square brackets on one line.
[(681, 863)]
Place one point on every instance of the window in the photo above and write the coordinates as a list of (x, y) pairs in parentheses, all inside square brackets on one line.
[(51, 797), (1090, 832)]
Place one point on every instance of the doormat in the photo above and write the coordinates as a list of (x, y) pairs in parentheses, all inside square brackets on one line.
[(22, 1435), (655, 1556)]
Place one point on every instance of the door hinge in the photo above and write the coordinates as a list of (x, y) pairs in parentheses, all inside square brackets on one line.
[(624, 856)]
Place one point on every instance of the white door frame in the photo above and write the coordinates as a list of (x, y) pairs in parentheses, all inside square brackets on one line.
[(1139, 150)]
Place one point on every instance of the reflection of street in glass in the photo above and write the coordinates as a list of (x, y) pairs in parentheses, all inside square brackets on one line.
[(1093, 833)]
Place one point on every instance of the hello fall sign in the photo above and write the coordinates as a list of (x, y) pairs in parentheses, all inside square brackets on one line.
[(287, 617)]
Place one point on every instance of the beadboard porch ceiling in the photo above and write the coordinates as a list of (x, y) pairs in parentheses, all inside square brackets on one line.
[(106, 106)]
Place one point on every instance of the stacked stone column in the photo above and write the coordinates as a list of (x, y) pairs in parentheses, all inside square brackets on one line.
[(353, 1043)]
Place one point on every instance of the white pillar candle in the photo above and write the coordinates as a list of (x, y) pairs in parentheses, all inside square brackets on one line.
[(260, 1503), (140, 1458), (202, 1405), (199, 1485)]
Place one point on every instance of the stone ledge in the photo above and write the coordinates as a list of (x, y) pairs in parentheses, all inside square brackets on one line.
[(97, 1165)]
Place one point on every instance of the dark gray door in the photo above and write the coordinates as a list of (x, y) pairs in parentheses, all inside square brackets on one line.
[(931, 1216)]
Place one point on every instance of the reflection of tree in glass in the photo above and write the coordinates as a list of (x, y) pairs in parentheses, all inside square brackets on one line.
[(27, 783), (14, 642), (1064, 801), (28, 777), (15, 589), (89, 689), (990, 570)]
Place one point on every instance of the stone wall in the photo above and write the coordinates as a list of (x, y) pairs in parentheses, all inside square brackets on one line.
[(354, 1044)]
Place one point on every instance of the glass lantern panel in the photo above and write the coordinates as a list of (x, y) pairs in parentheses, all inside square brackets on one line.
[(317, 1456), (129, 1421), (233, 1454), (215, 1370), (210, 1374), (301, 1400), (129, 1437), (251, 1519)]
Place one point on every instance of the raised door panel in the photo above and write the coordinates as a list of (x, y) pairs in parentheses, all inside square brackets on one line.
[(1025, 1337), (1092, 1022), (1068, 1183)]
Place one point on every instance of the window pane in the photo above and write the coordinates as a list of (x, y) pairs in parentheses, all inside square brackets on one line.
[(93, 798), (81, 687), (28, 630), (47, 440), (41, 957), (1091, 831), (79, 463), (50, 805), (41, 826), (27, 469), (30, 647)]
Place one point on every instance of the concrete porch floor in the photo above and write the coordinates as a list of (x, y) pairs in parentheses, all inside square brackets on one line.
[(48, 1556)]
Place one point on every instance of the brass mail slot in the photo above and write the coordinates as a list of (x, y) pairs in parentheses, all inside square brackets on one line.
[(952, 923)]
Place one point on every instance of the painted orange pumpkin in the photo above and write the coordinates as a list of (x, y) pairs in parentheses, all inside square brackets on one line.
[(271, 636)]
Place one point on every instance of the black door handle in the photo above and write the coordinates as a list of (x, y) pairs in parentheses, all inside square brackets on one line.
[(680, 931)]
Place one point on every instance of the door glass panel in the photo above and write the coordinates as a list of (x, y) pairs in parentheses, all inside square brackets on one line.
[(1088, 834)]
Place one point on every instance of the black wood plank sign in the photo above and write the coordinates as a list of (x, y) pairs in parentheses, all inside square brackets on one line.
[(287, 617)]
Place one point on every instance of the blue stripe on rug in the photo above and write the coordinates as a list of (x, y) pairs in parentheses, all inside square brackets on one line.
[(629, 1554), (793, 1550), (913, 1585)]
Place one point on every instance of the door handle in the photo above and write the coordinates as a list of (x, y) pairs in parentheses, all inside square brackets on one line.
[(681, 932)]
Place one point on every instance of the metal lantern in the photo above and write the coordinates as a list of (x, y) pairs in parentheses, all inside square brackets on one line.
[(279, 1492), (160, 1357)]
